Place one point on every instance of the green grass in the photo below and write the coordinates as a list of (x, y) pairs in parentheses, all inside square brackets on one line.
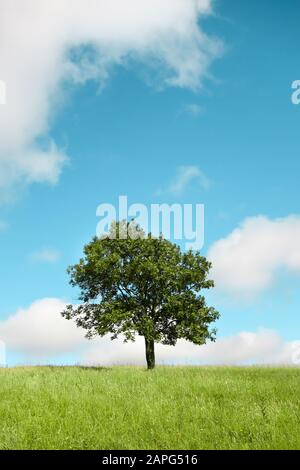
[(168, 408)]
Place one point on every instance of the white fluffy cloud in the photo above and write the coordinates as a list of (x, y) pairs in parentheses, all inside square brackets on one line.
[(45, 44), (39, 332), (246, 262), (2, 354), (262, 347)]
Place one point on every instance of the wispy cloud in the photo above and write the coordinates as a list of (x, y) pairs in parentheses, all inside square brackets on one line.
[(3, 226), (46, 256), (185, 177), (193, 109)]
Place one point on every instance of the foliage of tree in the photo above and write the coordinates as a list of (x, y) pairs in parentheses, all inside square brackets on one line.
[(146, 286)]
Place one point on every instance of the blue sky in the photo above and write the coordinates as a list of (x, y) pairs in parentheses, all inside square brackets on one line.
[(130, 136)]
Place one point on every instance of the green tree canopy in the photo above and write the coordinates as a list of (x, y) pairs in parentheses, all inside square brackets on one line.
[(142, 286)]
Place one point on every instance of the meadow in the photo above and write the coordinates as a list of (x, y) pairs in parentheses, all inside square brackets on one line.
[(132, 408)]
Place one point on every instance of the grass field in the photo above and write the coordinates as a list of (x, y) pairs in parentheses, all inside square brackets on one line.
[(168, 408)]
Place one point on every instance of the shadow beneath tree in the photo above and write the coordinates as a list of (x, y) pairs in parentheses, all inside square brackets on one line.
[(95, 368)]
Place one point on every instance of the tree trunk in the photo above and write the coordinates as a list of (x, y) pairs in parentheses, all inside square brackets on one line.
[(150, 354)]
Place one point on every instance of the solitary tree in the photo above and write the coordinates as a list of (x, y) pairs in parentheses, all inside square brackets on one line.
[(142, 286)]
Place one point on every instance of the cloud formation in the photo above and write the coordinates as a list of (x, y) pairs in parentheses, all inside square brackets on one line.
[(3, 225), (40, 333), (2, 354), (46, 256), (45, 45), (193, 109), (185, 177), (246, 262), (245, 348)]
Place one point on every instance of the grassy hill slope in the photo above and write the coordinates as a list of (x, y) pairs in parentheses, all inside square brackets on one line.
[(131, 408)]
